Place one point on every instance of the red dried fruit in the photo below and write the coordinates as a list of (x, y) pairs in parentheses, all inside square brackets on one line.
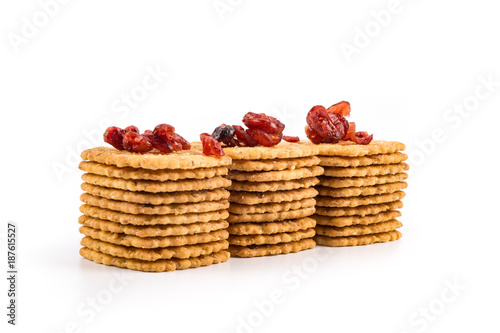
[(185, 145), (342, 108), (164, 130), (243, 137), (350, 131), (132, 128), (114, 136), (291, 138), (158, 143), (136, 143), (211, 147), (148, 132), (263, 138), (330, 126), (362, 138), (313, 136), (166, 133), (261, 121)]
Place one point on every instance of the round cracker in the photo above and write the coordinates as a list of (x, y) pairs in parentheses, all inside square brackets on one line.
[(282, 150), (351, 149), (371, 170), (359, 210), (164, 198), (342, 161), (343, 221), (147, 174), (358, 230), (270, 250), (152, 231), (255, 198), (273, 186), (382, 237), (270, 176), (123, 218), (181, 252), (155, 187), (361, 181), (153, 242), (270, 207), (269, 217), (359, 201), (133, 208), (271, 227), (285, 237), (185, 159), (163, 265), (274, 164), (357, 191)]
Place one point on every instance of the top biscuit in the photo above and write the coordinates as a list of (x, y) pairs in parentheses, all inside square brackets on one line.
[(186, 159), (282, 150), (351, 149)]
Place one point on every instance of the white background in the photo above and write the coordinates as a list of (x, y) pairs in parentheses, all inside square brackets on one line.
[(61, 81)]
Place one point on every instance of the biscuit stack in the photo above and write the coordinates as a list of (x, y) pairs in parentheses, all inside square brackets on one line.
[(272, 199), (154, 212), (360, 192)]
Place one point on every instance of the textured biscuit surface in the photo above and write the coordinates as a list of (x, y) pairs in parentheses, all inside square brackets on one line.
[(163, 265), (361, 181), (134, 208), (358, 230), (255, 198), (181, 252), (282, 150), (154, 186), (270, 250), (274, 164), (271, 227), (270, 207), (359, 201), (273, 186), (364, 171), (285, 237), (382, 237), (186, 159), (357, 191), (153, 242), (164, 198), (269, 176), (152, 231), (343, 221), (143, 219), (371, 209), (348, 148), (342, 161), (147, 174), (269, 217)]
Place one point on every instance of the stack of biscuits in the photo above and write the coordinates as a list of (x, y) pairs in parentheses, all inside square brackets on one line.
[(272, 199), (360, 192), (154, 212)]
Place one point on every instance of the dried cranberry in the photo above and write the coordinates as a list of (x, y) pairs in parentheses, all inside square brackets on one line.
[(341, 108), (243, 137), (261, 121), (136, 143), (330, 126), (148, 132), (263, 138), (114, 136), (164, 130), (350, 131), (132, 128), (313, 136), (291, 138), (158, 143), (211, 147), (185, 145), (362, 138)]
